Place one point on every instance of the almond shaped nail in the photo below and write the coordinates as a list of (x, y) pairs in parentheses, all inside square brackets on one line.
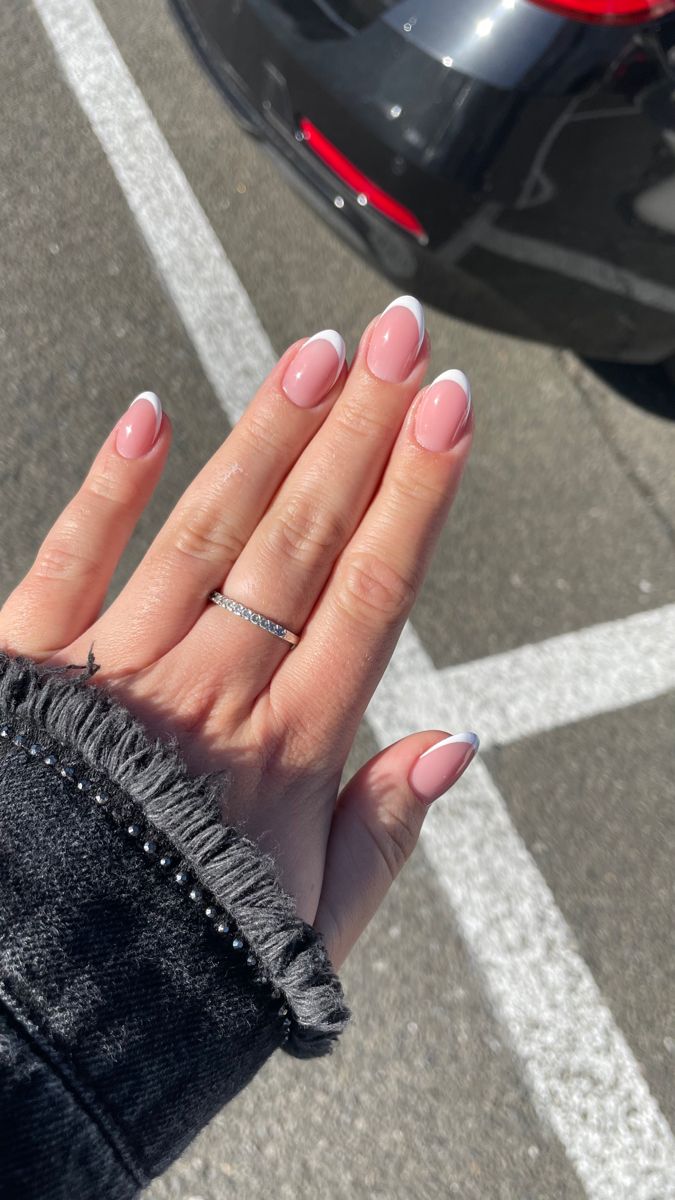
[(138, 428), (443, 411), (441, 765), (396, 340), (314, 368)]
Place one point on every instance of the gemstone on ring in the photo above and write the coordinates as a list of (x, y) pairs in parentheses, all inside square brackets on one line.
[(255, 618)]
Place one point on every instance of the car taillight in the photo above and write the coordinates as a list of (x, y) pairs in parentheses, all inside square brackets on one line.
[(610, 12), (367, 192)]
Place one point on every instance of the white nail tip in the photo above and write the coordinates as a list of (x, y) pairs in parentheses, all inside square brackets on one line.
[(156, 404), (470, 739), (414, 306), (337, 342), (456, 377)]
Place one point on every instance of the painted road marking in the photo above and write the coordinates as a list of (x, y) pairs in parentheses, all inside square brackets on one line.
[(222, 324), (504, 908), (597, 272), (581, 1073), (538, 687), (543, 992)]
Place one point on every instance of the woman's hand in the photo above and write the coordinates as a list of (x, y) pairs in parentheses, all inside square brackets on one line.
[(320, 510)]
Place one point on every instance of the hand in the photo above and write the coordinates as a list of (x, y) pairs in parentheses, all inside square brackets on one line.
[(320, 510)]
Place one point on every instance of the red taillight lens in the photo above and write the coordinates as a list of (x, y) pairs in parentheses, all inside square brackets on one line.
[(350, 175), (610, 12)]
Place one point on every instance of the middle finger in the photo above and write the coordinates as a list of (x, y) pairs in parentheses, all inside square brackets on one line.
[(284, 565)]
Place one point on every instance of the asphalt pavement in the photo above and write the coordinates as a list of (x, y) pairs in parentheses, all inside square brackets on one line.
[(565, 521)]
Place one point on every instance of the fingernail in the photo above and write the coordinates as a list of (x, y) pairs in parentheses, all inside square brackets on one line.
[(315, 368), (137, 429), (441, 765), (396, 339), (443, 411)]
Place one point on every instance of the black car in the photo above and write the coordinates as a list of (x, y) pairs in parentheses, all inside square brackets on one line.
[(509, 161)]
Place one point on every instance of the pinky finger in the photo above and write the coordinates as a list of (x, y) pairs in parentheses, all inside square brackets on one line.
[(376, 825), (64, 590)]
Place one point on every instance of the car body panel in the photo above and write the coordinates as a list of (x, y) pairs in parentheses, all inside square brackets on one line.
[(541, 170)]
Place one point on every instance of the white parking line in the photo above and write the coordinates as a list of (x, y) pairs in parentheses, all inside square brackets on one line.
[(598, 272), (538, 687), (222, 324), (582, 1075)]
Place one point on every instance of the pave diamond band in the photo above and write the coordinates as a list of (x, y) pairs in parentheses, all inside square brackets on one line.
[(256, 618)]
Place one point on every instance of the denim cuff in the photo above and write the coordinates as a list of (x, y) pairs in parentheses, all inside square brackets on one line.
[(147, 950)]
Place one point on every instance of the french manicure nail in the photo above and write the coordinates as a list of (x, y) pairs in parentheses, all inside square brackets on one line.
[(443, 411), (137, 429), (441, 765), (315, 368), (396, 339)]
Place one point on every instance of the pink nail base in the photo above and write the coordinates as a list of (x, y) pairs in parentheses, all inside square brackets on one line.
[(396, 340), (138, 428), (439, 767), (443, 412), (314, 369)]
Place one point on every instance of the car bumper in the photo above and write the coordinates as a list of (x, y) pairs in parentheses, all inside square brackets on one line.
[(531, 272)]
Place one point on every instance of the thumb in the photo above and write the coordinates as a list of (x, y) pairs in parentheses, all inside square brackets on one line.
[(376, 825)]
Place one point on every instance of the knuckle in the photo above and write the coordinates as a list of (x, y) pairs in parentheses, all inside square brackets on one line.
[(395, 837), (415, 489), (356, 418), (199, 536), (373, 591), (103, 485), (306, 532), (260, 433), (62, 561)]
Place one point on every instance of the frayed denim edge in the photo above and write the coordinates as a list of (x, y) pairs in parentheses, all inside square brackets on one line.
[(187, 810)]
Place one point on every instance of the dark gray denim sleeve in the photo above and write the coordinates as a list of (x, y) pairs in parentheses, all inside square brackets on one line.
[(150, 962)]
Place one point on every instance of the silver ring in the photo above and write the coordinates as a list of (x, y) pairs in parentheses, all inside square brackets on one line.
[(256, 618)]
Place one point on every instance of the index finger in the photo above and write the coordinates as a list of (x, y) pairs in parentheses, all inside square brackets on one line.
[(214, 518)]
